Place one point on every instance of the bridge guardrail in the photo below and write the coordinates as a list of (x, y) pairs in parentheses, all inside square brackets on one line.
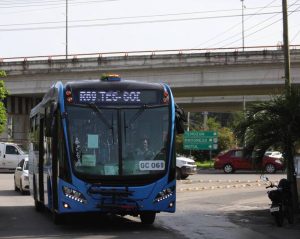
[(74, 57)]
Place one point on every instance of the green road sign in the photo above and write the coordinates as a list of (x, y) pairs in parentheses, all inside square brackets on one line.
[(200, 140), (197, 134)]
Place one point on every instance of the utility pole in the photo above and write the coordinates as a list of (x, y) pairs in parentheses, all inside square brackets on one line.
[(188, 121), (66, 29), (286, 48), (188, 127), (205, 113), (243, 30), (291, 174)]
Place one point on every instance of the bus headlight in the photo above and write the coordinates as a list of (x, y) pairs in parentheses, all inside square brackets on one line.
[(164, 194), (73, 194)]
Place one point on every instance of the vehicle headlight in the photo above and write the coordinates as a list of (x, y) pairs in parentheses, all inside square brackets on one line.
[(164, 194), (278, 161), (73, 194)]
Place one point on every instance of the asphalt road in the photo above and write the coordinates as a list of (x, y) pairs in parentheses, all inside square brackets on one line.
[(209, 205)]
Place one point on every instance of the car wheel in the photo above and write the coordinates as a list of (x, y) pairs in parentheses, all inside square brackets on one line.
[(21, 187), (228, 168), (16, 188), (270, 168), (178, 173), (184, 176)]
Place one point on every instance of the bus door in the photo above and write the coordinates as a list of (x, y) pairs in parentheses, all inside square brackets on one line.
[(50, 168), (40, 184)]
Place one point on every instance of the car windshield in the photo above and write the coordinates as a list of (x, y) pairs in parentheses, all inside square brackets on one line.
[(107, 142), (21, 151)]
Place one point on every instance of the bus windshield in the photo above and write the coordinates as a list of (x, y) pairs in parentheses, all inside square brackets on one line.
[(118, 142)]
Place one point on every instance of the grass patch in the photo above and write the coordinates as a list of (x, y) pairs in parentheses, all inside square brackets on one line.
[(205, 164)]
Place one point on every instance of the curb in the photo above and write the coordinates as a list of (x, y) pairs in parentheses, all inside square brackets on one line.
[(248, 184)]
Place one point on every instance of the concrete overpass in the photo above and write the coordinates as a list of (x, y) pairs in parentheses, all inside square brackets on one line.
[(202, 80)]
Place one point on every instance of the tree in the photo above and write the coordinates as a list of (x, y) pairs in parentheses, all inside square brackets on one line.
[(226, 138), (3, 94), (274, 123), (225, 135)]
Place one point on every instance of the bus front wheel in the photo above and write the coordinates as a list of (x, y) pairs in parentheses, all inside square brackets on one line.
[(147, 217), (39, 207)]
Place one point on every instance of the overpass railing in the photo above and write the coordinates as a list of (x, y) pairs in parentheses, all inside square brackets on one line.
[(239, 50)]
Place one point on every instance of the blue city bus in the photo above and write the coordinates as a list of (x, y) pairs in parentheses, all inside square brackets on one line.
[(105, 146)]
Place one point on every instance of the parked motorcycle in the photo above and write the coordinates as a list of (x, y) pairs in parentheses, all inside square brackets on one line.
[(281, 198)]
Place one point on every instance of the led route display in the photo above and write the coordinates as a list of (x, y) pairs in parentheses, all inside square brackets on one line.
[(117, 97)]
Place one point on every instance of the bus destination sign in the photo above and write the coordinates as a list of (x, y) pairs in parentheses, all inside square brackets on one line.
[(118, 97)]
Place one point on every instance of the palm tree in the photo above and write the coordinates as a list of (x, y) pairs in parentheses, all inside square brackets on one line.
[(274, 123)]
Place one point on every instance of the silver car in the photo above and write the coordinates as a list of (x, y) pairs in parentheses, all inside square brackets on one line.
[(21, 177)]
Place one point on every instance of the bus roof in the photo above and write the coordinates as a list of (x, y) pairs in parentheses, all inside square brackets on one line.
[(111, 85)]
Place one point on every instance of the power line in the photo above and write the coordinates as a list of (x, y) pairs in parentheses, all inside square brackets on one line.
[(254, 26), (57, 6), (263, 28), (132, 23), (233, 27), (247, 30), (50, 3), (295, 36), (121, 18)]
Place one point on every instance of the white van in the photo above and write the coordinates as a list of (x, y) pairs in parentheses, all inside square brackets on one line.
[(185, 167), (10, 155)]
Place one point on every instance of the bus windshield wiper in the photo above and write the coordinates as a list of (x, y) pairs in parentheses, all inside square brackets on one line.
[(137, 115), (103, 119)]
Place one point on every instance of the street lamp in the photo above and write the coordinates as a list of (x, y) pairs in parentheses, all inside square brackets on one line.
[(66, 29), (243, 32)]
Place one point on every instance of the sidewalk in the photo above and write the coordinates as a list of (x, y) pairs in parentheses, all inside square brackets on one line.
[(263, 222)]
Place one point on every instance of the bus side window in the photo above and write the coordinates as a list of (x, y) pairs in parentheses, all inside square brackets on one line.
[(180, 119), (50, 119), (64, 170)]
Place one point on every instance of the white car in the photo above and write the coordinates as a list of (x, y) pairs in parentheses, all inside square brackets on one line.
[(274, 154), (21, 177), (185, 167)]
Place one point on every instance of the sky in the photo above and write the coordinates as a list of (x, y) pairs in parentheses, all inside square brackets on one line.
[(38, 28)]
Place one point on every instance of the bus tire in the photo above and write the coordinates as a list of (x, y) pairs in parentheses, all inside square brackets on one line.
[(147, 218), (290, 214), (37, 205), (279, 218)]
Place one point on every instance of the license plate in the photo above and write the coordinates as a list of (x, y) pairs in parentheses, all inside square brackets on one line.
[(274, 209)]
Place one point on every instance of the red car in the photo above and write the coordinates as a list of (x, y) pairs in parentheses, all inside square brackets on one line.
[(234, 160)]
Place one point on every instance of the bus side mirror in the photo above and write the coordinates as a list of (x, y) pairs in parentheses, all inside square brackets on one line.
[(180, 119), (50, 120)]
